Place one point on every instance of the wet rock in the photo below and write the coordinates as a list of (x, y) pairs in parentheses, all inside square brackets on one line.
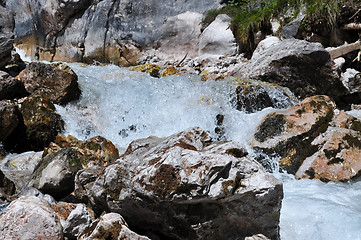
[(42, 121), (57, 81), (55, 173), (9, 119), (95, 151), (110, 226), (152, 69), (74, 218), (7, 188), (169, 71), (6, 32), (289, 133), (187, 187), (19, 167), (217, 38), (30, 218), (15, 65), (11, 88), (295, 64), (338, 158), (253, 96)]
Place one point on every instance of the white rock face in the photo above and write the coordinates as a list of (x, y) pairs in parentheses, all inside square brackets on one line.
[(217, 38), (110, 226), (29, 218)]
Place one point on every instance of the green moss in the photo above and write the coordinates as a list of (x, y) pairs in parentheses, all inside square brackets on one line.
[(248, 15)]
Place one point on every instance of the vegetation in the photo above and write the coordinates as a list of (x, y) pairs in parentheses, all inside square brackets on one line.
[(251, 14)]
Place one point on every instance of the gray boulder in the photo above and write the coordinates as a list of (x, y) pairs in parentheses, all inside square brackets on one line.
[(30, 218), (303, 67), (55, 173), (97, 30), (187, 187)]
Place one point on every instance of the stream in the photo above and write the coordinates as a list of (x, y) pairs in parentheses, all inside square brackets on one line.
[(122, 106)]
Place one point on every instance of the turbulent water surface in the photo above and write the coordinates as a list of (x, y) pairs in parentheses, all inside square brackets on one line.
[(122, 106)]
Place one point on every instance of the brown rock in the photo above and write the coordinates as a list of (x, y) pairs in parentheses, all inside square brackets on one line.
[(57, 81), (9, 118)]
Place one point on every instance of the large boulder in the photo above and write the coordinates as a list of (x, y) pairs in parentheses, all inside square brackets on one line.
[(57, 81), (30, 218), (42, 121), (187, 187), (111, 31), (303, 67), (6, 33), (313, 139), (110, 226)]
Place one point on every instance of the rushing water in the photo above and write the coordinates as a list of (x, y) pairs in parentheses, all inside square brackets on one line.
[(122, 106)]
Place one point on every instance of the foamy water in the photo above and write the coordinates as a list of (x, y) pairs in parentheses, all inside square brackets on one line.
[(122, 106)]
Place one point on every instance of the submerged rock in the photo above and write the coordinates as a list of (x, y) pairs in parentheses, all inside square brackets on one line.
[(56, 81), (30, 218), (313, 140), (187, 187), (110, 226)]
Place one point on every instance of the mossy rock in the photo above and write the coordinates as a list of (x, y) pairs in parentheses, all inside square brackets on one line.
[(169, 71), (152, 69)]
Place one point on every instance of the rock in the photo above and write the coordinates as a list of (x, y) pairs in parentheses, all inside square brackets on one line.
[(289, 133), (30, 191), (351, 79), (19, 167), (42, 121), (9, 119), (257, 237), (169, 71), (313, 140), (7, 188), (339, 156), (11, 88), (290, 29), (106, 31), (55, 173), (152, 69), (187, 187), (30, 218), (57, 81), (295, 64), (253, 96), (15, 65), (110, 226), (6, 32), (95, 151), (217, 38), (74, 218)]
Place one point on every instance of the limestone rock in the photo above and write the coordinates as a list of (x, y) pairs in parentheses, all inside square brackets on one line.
[(217, 38), (74, 218), (253, 96), (57, 81), (42, 121), (55, 173), (30, 218), (187, 187), (295, 64), (110, 226), (9, 119), (289, 133)]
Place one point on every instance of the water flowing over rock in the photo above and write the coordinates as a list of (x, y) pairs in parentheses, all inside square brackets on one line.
[(30, 218), (313, 140), (187, 187), (106, 30), (110, 226), (305, 68), (57, 81)]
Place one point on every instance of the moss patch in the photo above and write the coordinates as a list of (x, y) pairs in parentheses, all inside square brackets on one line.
[(272, 126)]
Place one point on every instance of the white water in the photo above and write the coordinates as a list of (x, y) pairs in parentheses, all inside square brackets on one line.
[(115, 99)]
